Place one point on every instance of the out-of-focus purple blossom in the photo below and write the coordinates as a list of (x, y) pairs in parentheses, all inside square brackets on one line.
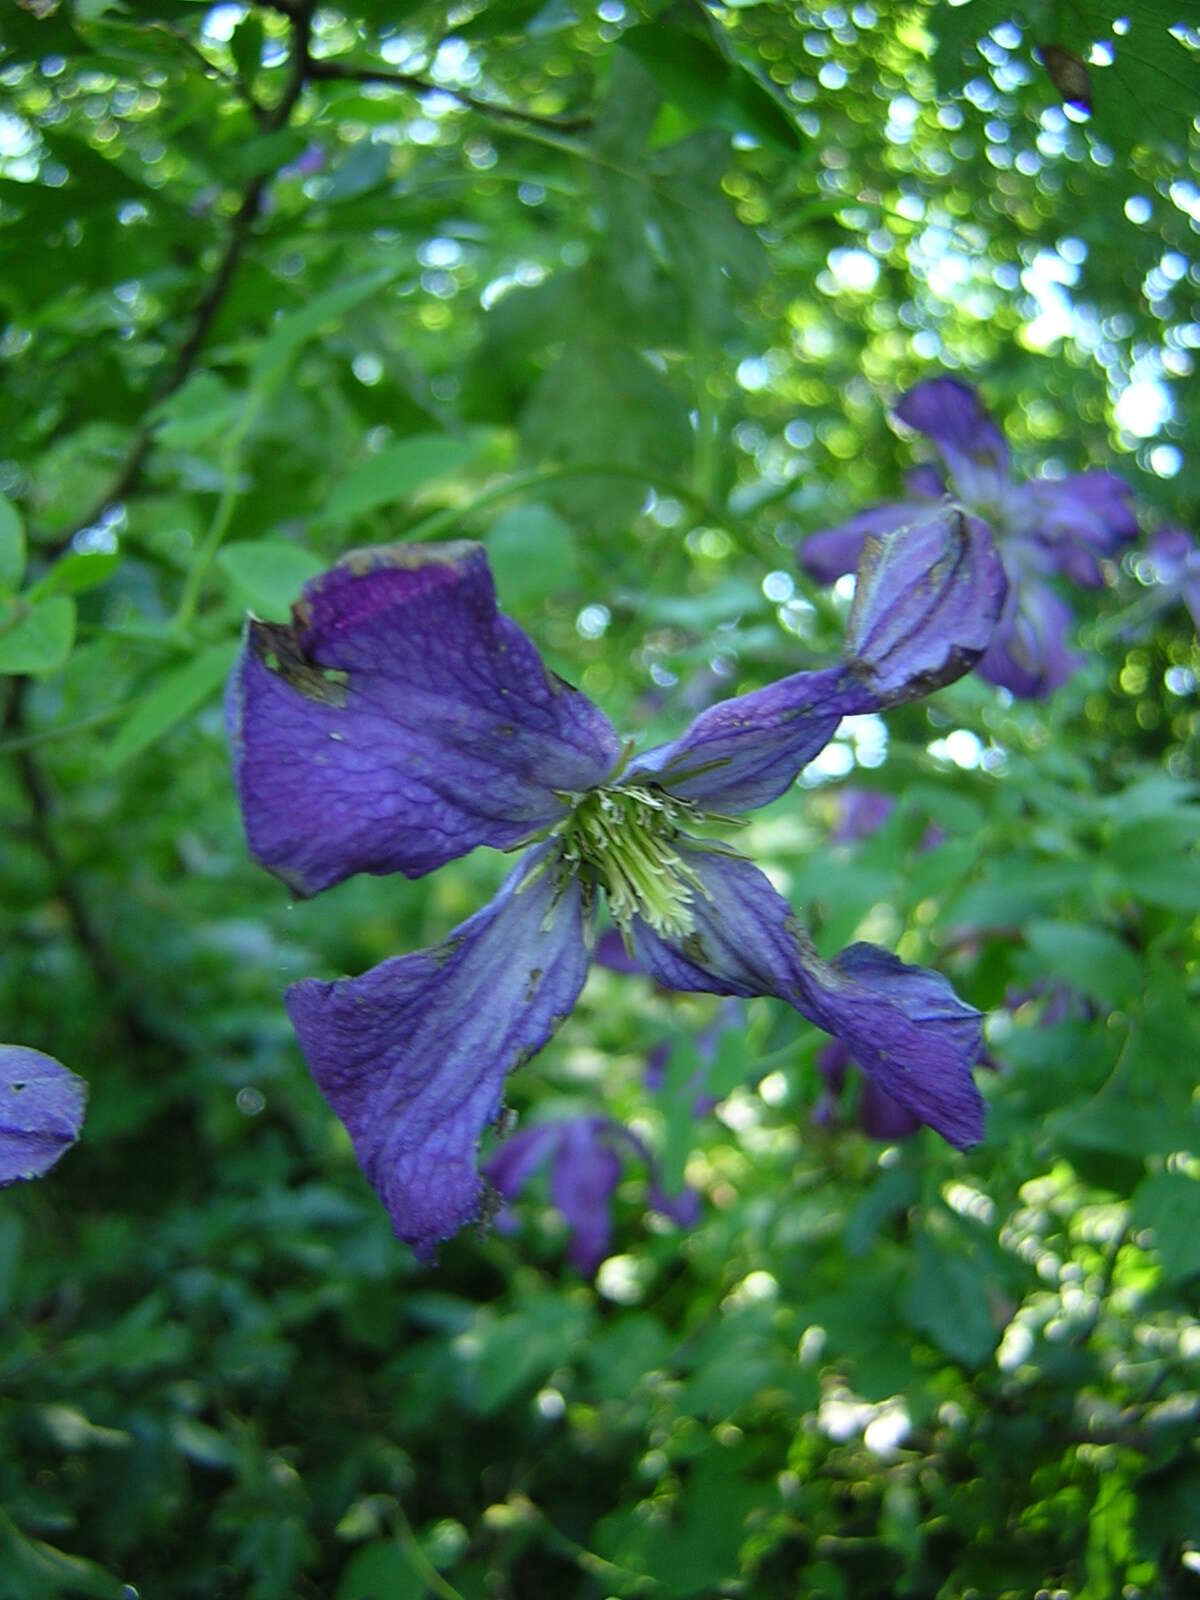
[(1043, 527), (311, 160), (41, 1112), (584, 1155), (731, 1017), (1060, 1002), (1175, 566), (861, 812), (878, 1114), (400, 720)]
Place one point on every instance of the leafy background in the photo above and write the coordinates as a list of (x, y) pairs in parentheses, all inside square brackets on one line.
[(624, 291)]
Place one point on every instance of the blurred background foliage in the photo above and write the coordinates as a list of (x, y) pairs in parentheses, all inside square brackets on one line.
[(625, 290)]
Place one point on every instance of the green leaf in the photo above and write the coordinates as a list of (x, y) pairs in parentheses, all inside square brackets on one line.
[(268, 574), (957, 26), (379, 1571), (296, 328), (947, 1299), (697, 78), (396, 472), (203, 407), (176, 696), (76, 572), (246, 43), (1169, 1204), (31, 1570), (532, 555), (12, 547), (41, 640), (1092, 960)]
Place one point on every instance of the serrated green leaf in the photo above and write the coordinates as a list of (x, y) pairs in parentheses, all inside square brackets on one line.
[(268, 574), (397, 472), (180, 692), (532, 555), (40, 640), (947, 1299), (1091, 960), (1169, 1204), (296, 328), (202, 408), (12, 547), (79, 571), (716, 92)]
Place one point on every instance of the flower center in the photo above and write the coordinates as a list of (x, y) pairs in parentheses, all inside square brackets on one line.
[(623, 840)]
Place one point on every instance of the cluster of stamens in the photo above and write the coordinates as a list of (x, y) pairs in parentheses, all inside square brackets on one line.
[(623, 840)]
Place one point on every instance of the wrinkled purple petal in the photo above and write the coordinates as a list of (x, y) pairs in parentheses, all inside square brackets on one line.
[(742, 753), (400, 720), (830, 554), (41, 1112), (925, 605), (1028, 654), (412, 1056), (903, 1025), (1076, 520), (950, 414)]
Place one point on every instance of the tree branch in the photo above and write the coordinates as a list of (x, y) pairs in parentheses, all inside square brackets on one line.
[(333, 72), (211, 299)]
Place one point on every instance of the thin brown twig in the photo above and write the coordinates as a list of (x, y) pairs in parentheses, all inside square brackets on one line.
[(334, 72)]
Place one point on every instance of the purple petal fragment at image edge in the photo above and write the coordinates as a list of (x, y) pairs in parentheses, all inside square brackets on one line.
[(413, 1055), (400, 720), (41, 1112), (904, 1026)]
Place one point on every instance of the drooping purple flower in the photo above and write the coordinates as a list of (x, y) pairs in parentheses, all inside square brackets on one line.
[(584, 1154), (41, 1112), (400, 720), (861, 812), (878, 1114), (1043, 526)]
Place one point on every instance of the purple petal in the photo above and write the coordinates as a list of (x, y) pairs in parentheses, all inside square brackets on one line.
[(1169, 549), (610, 952), (926, 481), (509, 1168), (413, 1055), (926, 602), (742, 753), (830, 554), (904, 1026), (833, 1063), (1076, 520), (881, 1117), (1028, 654), (400, 721), (950, 414), (41, 1112), (583, 1179), (862, 812)]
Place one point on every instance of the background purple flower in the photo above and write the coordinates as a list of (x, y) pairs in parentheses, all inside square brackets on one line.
[(1175, 565), (401, 720), (1044, 527), (584, 1156), (41, 1112), (877, 1113)]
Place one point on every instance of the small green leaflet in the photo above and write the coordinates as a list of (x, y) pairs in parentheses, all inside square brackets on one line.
[(531, 555), (12, 546), (298, 327), (378, 1570), (947, 1299), (80, 570), (183, 690), (268, 574), (696, 77), (204, 406), (41, 639), (396, 472)]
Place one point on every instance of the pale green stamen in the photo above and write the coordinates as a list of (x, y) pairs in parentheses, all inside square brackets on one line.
[(623, 840)]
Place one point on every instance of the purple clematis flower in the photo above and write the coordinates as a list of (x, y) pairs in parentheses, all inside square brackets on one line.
[(1044, 526), (41, 1112), (585, 1167), (879, 1115), (400, 720)]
